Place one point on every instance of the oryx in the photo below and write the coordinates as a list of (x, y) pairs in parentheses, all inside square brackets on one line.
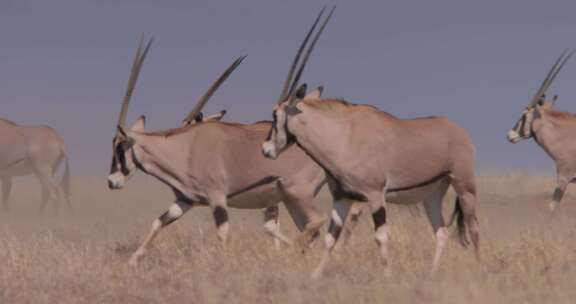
[(215, 164), (552, 130), (37, 150), (375, 157)]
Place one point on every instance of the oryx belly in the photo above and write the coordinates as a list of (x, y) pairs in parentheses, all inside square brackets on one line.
[(21, 168), (416, 194), (257, 198)]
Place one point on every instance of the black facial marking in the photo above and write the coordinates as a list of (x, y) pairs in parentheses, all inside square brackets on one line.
[(220, 216), (273, 128), (334, 229), (522, 123), (271, 213), (120, 156), (379, 217), (166, 219)]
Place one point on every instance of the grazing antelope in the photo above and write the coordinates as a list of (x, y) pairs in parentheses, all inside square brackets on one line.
[(551, 130), (377, 158), (38, 150), (215, 164)]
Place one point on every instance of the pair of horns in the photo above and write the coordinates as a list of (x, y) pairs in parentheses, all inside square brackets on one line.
[(135, 72), (292, 80), (558, 65)]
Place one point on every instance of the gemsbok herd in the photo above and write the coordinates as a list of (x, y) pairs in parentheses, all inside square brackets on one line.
[(366, 157)]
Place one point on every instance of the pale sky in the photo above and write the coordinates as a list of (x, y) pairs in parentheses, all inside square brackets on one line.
[(65, 63)]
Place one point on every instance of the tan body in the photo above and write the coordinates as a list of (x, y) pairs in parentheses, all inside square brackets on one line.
[(33, 150), (375, 157), (220, 165)]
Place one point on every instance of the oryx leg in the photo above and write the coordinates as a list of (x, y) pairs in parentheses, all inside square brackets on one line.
[(350, 223), (433, 207), (466, 198), (6, 189), (49, 190), (44, 197), (378, 208), (272, 226), (340, 211), (299, 201), (173, 213), (561, 185), (218, 204)]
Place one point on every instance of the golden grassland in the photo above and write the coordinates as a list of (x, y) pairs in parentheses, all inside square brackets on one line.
[(82, 257)]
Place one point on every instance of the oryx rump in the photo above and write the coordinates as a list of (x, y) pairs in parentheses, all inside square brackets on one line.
[(33, 150)]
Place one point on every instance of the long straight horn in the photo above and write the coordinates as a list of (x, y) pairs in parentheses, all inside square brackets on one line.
[(204, 98), (558, 65), (284, 95), (308, 52), (134, 73)]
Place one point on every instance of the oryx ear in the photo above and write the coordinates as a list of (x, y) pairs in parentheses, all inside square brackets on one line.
[(139, 124), (553, 102), (218, 116), (315, 94), (291, 110), (199, 117), (301, 92)]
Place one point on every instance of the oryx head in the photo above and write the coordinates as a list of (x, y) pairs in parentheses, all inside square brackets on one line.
[(286, 109), (524, 127), (123, 165)]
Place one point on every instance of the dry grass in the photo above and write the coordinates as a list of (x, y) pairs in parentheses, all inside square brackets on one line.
[(82, 257)]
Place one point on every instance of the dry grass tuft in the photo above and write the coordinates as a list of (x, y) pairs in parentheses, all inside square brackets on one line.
[(82, 257)]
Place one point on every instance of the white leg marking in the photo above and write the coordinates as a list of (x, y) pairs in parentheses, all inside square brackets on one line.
[(339, 212)]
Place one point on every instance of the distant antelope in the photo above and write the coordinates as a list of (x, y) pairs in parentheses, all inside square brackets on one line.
[(552, 130), (215, 164), (37, 150), (374, 157)]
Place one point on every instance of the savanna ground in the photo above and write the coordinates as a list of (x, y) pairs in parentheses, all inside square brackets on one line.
[(82, 257)]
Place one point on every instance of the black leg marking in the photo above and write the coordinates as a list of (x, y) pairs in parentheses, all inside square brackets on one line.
[(166, 219), (379, 217), (334, 229), (220, 216), (271, 213), (354, 217)]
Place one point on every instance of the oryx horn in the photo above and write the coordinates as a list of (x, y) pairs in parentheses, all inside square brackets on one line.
[(134, 73), (558, 65), (204, 98)]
